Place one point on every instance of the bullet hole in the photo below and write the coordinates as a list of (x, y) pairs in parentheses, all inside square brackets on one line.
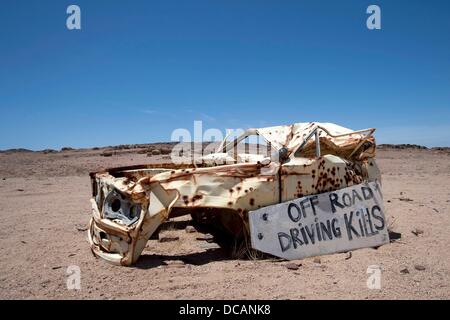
[(115, 205)]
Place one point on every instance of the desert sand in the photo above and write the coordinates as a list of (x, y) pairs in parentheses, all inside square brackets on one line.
[(44, 201)]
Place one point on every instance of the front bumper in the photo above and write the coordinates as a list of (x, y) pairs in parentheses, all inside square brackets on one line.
[(120, 244)]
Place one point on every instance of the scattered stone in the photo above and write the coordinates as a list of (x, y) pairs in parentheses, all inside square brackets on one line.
[(436, 210), (174, 263), (156, 152), (165, 151), (405, 199), (21, 190), (348, 255), (81, 228), (206, 237), (167, 237), (4, 179), (209, 246), (393, 236), (45, 283), (56, 267), (419, 267), (72, 254), (317, 260), (47, 151), (404, 271), (389, 201), (292, 266), (190, 229), (24, 242), (106, 154), (417, 232)]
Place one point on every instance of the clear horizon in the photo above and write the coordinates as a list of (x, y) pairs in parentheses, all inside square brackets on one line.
[(136, 71)]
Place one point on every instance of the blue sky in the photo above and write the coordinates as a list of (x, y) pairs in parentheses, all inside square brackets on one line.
[(137, 70)]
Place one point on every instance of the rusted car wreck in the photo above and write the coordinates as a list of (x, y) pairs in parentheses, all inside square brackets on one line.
[(130, 203)]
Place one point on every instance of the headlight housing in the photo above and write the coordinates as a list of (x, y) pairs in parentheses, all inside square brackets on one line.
[(120, 209)]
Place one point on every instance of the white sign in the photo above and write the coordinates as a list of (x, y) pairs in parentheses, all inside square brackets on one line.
[(336, 221)]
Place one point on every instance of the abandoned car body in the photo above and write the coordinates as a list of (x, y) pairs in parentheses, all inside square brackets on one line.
[(130, 203)]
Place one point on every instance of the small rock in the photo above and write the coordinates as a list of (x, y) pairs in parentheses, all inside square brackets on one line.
[(4, 179), (209, 246), (206, 237), (394, 235), (106, 154), (404, 271), (166, 151), (436, 210), (156, 152), (21, 190), (24, 242), (317, 260), (81, 228), (406, 199), (292, 266), (417, 232), (190, 229), (419, 267), (174, 263), (56, 267), (167, 237), (72, 254), (348, 255), (389, 201)]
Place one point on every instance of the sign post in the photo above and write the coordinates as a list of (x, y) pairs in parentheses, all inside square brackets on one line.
[(337, 221)]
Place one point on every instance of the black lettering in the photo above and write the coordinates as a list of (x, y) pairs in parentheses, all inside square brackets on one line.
[(347, 197), (334, 202), (378, 217), (284, 246), (326, 230), (319, 234), (355, 195), (294, 235), (302, 205), (367, 193), (349, 226), (336, 229), (298, 215), (372, 232), (314, 200), (305, 238), (363, 219), (311, 233)]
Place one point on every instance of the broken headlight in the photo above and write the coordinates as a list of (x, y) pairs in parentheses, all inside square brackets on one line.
[(118, 207)]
